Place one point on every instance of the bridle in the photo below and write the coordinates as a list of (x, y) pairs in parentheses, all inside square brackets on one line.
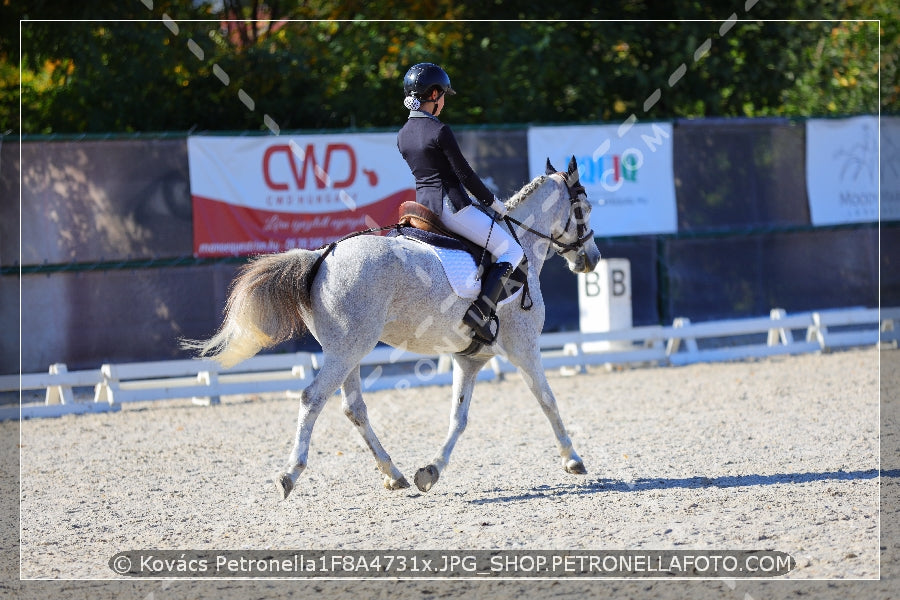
[(582, 233)]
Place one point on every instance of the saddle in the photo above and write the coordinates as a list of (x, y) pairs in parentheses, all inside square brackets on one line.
[(419, 222), (413, 214)]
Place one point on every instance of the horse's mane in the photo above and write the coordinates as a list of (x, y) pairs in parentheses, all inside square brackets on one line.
[(526, 191)]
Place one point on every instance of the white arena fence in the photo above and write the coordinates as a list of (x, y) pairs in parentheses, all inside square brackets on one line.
[(681, 343)]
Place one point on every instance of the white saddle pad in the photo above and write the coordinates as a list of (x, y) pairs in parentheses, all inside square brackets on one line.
[(461, 270)]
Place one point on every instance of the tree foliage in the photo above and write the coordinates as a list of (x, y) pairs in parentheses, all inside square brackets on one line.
[(337, 64)]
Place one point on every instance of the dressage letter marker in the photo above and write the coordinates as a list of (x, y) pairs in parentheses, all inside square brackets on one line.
[(604, 302)]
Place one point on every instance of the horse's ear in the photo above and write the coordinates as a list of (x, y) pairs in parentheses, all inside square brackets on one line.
[(573, 167), (550, 169)]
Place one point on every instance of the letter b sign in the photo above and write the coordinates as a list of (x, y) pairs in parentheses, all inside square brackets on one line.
[(604, 298), (617, 282), (591, 284)]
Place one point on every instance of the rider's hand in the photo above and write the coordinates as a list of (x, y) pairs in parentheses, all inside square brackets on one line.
[(498, 207)]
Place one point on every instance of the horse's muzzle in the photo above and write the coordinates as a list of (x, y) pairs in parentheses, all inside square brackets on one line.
[(585, 262)]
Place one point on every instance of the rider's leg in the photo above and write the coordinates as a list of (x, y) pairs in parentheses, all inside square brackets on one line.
[(478, 227)]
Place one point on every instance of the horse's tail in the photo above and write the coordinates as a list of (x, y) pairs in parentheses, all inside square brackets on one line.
[(263, 308)]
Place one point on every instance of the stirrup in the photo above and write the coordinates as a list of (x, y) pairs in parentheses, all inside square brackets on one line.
[(480, 326)]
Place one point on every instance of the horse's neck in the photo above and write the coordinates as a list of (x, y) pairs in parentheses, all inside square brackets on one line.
[(533, 213)]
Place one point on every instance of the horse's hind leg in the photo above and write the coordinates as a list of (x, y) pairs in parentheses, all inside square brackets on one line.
[(465, 372), (355, 409), (533, 374), (312, 400)]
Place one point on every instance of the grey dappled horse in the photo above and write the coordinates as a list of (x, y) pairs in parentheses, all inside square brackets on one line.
[(394, 290)]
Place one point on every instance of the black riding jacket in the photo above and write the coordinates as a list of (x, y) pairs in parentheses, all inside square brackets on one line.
[(440, 169)]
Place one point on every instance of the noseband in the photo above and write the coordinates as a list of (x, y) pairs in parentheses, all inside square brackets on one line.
[(581, 230)]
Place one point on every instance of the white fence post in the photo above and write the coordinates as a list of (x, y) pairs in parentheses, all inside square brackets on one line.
[(211, 379), (59, 394), (780, 335), (675, 341)]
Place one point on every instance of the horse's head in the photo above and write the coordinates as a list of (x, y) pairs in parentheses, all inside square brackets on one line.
[(574, 240)]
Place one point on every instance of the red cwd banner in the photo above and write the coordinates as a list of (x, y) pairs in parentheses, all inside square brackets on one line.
[(268, 194)]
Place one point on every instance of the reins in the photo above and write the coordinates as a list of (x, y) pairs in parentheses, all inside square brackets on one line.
[(563, 246), (582, 235)]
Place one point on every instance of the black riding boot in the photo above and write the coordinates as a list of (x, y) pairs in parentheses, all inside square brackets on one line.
[(479, 316)]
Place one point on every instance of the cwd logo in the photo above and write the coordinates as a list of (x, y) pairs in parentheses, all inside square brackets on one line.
[(287, 166), (610, 171)]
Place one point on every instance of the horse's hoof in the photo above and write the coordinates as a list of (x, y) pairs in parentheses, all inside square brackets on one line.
[(426, 477), (285, 484), (395, 484), (576, 467)]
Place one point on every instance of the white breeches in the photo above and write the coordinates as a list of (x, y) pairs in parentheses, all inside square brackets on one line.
[(476, 226)]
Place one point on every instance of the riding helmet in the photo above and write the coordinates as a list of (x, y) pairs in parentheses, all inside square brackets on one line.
[(423, 77)]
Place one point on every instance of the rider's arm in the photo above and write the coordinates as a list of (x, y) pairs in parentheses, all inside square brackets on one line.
[(463, 170)]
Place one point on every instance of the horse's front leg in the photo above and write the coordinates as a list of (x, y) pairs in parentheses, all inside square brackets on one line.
[(355, 409), (533, 373), (465, 372)]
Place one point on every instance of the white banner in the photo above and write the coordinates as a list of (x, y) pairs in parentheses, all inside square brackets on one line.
[(263, 194), (890, 168), (626, 171), (303, 174), (842, 170)]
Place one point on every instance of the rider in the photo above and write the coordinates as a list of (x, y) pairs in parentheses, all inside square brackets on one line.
[(442, 177)]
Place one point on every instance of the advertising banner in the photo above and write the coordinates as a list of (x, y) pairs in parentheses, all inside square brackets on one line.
[(890, 168), (626, 171), (268, 194), (842, 170)]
